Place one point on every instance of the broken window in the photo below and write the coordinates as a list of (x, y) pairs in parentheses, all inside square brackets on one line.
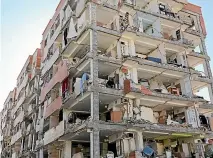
[(50, 52), (45, 41), (65, 36), (52, 31), (61, 115), (57, 22), (178, 34)]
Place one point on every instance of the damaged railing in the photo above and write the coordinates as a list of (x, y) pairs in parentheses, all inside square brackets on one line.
[(192, 31), (54, 133)]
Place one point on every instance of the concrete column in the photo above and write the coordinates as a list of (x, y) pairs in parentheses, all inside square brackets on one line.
[(94, 135), (95, 144), (186, 86), (119, 50), (210, 92), (207, 67), (68, 149), (29, 141), (134, 75), (139, 141), (41, 153), (33, 142), (162, 53), (37, 154), (132, 48)]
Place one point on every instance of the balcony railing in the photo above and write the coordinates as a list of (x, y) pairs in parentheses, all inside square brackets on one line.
[(194, 32), (16, 137), (108, 3), (52, 59), (54, 133), (187, 42), (186, 20), (52, 107), (60, 75), (130, 2), (182, 1), (23, 84), (19, 103), (19, 118)]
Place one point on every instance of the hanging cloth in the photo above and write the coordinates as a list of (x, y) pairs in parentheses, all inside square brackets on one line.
[(84, 79), (72, 32)]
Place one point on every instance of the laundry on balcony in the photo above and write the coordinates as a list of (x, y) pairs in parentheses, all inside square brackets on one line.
[(84, 82), (157, 60), (166, 11), (148, 151)]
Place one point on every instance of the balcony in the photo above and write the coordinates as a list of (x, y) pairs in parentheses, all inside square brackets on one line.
[(4, 113), (58, 77), (196, 56), (194, 32), (31, 93), (199, 80), (169, 12), (80, 101), (19, 103), (152, 33), (158, 100), (16, 137), (182, 1), (3, 124), (147, 68), (23, 83), (30, 109), (39, 125), (48, 64), (19, 118), (52, 107), (108, 3), (54, 133)]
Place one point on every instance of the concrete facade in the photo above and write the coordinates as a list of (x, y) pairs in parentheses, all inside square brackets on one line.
[(112, 78)]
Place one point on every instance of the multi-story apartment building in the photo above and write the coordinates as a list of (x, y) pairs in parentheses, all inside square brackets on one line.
[(20, 110), (6, 127), (119, 78)]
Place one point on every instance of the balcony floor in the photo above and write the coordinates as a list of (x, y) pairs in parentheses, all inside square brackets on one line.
[(83, 101)]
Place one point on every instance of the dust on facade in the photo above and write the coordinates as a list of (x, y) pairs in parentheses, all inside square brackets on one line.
[(114, 78)]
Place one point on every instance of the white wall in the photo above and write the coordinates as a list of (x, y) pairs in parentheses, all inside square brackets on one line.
[(80, 6), (157, 28), (153, 6), (186, 87)]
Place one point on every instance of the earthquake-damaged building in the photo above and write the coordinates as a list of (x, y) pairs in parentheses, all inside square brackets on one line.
[(114, 78)]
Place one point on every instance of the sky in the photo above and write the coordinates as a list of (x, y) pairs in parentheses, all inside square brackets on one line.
[(22, 24)]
